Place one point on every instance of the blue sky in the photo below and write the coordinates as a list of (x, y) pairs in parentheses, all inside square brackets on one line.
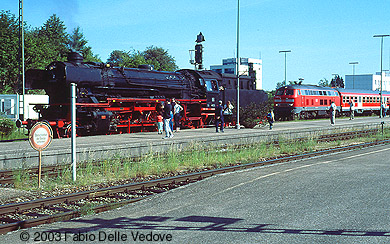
[(323, 36)]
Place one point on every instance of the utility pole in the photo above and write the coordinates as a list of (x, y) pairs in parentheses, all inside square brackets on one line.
[(381, 36), (285, 64), (353, 76), (238, 61)]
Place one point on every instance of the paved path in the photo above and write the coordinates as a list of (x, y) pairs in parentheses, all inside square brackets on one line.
[(340, 198)]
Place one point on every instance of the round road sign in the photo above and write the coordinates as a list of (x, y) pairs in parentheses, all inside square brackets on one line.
[(40, 136)]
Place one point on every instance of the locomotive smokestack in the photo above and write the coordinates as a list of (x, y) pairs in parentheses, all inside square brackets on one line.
[(75, 57)]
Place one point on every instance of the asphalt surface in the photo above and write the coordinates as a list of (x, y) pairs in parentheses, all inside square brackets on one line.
[(339, 198)]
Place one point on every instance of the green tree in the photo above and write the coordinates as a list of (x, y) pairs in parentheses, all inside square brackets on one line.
[(130, 59), (159, 58), (337, 81), (54, 32), (324, 82), (119, 58), (78, 43), (9, 52)]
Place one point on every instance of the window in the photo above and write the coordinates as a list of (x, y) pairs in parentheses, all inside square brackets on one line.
[(229, 71), (279, 92), (211, 85), (289, 92), (325, 102), (321, 102)]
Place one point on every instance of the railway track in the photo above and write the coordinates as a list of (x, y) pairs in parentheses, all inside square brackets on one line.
[(47, 210), (7, 176)]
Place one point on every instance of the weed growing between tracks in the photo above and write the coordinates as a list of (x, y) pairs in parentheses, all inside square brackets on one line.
[(195, 157)]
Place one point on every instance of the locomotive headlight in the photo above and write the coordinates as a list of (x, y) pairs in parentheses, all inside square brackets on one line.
[(108, 65)]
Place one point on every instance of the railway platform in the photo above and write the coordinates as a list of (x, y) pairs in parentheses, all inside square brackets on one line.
[(19, 154)]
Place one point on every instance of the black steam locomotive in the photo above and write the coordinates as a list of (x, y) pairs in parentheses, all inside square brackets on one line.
[(124, 100)]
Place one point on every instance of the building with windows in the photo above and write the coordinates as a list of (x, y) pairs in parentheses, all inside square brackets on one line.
[(248, 66), (368, 81), (11, 105)]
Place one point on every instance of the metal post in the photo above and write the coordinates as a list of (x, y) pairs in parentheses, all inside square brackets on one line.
[(238, 65), (40, 169), (285, 65), (21, 36), (73, 128), (381, 36), (353, 74)]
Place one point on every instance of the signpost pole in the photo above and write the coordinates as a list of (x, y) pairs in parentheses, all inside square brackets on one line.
[(40, 138), (40, 169)]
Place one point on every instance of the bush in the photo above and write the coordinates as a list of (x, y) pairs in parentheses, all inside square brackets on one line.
[(252, 114), (7, 126)]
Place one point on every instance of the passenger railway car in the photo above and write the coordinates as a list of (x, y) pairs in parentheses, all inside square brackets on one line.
[(310, 101), (123, 100)]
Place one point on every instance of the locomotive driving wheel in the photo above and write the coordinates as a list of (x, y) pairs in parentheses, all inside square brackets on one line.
[(68, 131)]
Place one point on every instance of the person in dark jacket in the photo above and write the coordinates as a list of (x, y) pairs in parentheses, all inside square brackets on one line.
[(167, 119), (219, 116)]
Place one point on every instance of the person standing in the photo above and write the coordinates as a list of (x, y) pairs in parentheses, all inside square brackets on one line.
[(160, 123), (332, 110), (176, 115), (167, 111), (384, 110), (173, 103), (219, 117), (352, 110), (271, 119), (228, 112)]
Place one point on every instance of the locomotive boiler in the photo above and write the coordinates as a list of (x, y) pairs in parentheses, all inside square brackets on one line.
[(123, 100)]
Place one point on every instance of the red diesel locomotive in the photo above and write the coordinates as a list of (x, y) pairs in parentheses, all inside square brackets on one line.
[(310, 101)]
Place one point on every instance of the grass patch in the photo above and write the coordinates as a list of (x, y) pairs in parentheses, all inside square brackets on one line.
[(196, 156)]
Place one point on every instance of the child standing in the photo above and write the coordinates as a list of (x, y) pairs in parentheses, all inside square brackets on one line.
[(160, 123)]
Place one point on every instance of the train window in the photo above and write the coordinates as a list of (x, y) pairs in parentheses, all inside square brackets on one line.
[(325, 102), (279, 92), (321, 101), (289, 92), (209, 86), (201, 81), (299, 92)]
